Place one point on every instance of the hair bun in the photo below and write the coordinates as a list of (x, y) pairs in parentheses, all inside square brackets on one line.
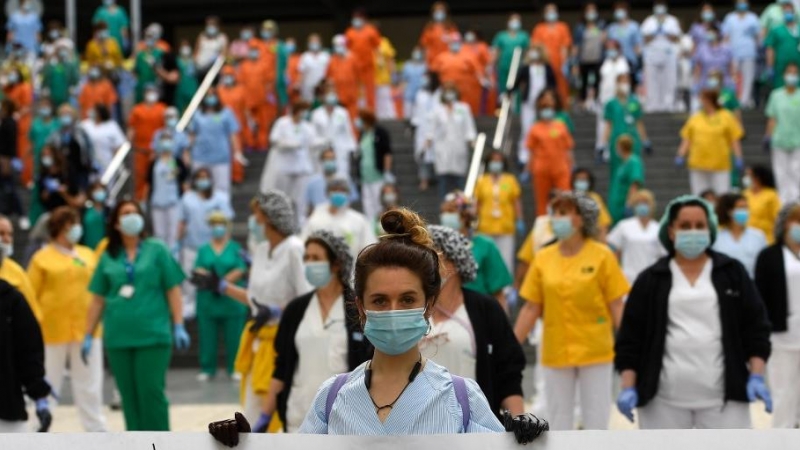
[(406, 223)]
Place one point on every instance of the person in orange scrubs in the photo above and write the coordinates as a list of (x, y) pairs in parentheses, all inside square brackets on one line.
[(555, 36), (270, 55), (478, 49), (97, 91), (434, 37), (292, 69), (20, 91), (254, 77), (232, 96), (342, 73), (363, 41), (460, 67), (550, 145), (146, 118)]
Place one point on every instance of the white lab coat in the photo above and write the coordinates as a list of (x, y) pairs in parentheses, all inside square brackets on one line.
[(424, 103), (334, 130), (661, 62), (279, 277), (313, 66), (451, 131), (347, 223)]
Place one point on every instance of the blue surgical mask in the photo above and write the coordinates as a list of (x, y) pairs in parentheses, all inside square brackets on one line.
[(712, 83), (660, 10), (211, 100), (439, 15), (794, 233), (255, 229), (314, 46), (591, 16), (331, 99), (495, 167), (620, 14), (692, 243), (290, 47), (547, 114), (612, 53), (788, 17), (562, 227), (246, 35), (219, 231), (172, 122), (45, 111), (266, 34), (99, 196), (202, 184), (7, 250), (742, 6), (166, 146), (47, 161), (741, 216), (455, 47), (791, 79), (358, 123), (131, 224), (642, 210), (329, 166), (707, 16), (318, 274), (338, 199), (75, 234), (357, 22), (747, 182), (395, 332), (228, 80), (450, 220), (582, 185), (551, 16), (514, 25), (65, 120)]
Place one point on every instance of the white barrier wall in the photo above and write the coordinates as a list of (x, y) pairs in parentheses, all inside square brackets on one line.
[(574, 440)]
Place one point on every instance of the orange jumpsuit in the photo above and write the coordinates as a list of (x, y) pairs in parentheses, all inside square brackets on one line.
[(556, 39), (462, 69), (342, 73), (269, 57), (293, 74), (144, 121), (233, 97), (22, 96), (100, 92), (363, 44), (549, 143), (254, 79), (480, 52), (434, 40)]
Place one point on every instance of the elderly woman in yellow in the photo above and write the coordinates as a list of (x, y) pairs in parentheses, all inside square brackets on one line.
[(762, 198), (60, 273), (581, 286)]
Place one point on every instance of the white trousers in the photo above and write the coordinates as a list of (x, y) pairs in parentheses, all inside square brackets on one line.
[(786, 166), (295, 187), (408, 109), (703, 180), (165, 224), (661, 84), (747, 72), (527, 117), (784, 372), (371, 199), (220, 175), (600, 130), (594, 383), (384, 103), (188, 258), (505, 243), (16, 426), (252, 403), (86, 379), (658, 415)]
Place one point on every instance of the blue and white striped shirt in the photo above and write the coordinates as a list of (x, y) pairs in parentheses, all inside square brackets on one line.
[(428, 406)]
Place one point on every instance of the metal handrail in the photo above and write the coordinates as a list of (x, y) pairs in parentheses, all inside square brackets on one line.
[(475, 165), (118, 173)]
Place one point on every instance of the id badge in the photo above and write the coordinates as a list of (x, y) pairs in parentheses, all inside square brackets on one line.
[(126, 291)]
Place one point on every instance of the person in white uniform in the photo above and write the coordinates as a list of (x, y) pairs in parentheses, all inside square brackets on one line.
[(662, 34), (532, 78), (613, 66), (635, 239), (105, 135), (694, 340), (333, 127), (778, 281), (737, 240), (426, 100), (452, 133), (312, 67), (337, 216)]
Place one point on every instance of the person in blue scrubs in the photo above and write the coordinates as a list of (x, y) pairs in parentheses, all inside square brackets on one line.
[(215, 132), (24, 27), (735, 238)]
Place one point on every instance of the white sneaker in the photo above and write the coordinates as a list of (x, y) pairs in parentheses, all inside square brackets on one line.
[(24, 223), (203, 377), (236, 377)]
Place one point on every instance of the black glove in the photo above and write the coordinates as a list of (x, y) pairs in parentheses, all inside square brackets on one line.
[(205, 281), (227, 431), (600, 156), (648, 148), (766, 144), (526, 427), (263, 316)]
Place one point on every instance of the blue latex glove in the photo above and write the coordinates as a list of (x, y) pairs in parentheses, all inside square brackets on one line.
[(51, 184), (739, 163), (16, 164), (769, 74), (626, 402), (182, 339), (520, 226), (680, 161), (757, 389), (389, 178), (512, 298), (263, 423), (648, 148), (86, 348), (766, 144), (44, 415), (223, 285), (524, 176)]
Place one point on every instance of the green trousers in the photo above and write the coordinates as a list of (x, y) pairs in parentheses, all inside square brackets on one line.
[(210, 329), (141, 373)]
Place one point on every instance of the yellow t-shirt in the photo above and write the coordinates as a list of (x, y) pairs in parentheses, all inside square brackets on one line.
[(61, 283), (604, 219), (710, 140), (764, 209), (496, 213), (383, 60), (575, 293), (15, 275)]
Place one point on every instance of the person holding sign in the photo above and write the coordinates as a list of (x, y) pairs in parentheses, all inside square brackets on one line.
[(136, 288), (398, 392)]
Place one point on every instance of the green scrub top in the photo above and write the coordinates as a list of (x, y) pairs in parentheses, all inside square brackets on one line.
[(630, 172), (623, 118), (116, 21), (187, 85), (772, 17), (728, 100), (505, 43), (282, 61), (39, 133), (785, 109), (212, 304), (143, 319), (94, 227), (786, 45), (493, 275), (58, 79), (144, 69)]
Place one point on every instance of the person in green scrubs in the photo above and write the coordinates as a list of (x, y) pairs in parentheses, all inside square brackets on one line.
[(94, 216), (727, 100), (59, 76), (783, 45), (117, 20), (772, 17), (136, 289), (145, 67), (458, 212), (218, 314), (623, 116), (503, 46), (628, 179), (44, 124), (187, 85)]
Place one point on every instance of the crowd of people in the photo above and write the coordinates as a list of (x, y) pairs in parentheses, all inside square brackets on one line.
[(336, 277)]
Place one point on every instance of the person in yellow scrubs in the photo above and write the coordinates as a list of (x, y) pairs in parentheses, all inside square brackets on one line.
[(763, 199), (12, 272), (60, 274), (579, 283)]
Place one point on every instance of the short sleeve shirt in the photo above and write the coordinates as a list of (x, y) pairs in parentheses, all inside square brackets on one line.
[(212, 136), (711, 139), (497, 200), (493, 275), (785, 109)]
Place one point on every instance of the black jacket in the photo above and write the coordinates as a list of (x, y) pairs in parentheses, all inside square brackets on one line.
[(745, 328), (21, 355), (522, 84), (499, 360), (358, 348), (383, 147), (771, 283), (8, 137)]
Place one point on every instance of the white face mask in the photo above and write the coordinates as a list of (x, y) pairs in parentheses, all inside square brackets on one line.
[(7, 250)]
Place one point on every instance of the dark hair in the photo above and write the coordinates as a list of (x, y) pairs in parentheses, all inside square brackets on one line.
[(725, 205), (488, 159), (712, 97), (583, 171), (550, 91), (114, 235), (102, 112), (433, 81), (100, 26), (367, 117), (216, 108), (299, 105), (621, 4), (58, 158), (7, 108), (343, 273), (59, 218), (790, 65), (407, 244), (673, 215), (764, 175)]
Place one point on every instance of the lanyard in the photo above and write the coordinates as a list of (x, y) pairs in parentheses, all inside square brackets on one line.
[(130, 266), (467, 326)]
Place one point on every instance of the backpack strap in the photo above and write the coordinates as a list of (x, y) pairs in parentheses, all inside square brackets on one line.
[(340, 380), (462, 395)]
